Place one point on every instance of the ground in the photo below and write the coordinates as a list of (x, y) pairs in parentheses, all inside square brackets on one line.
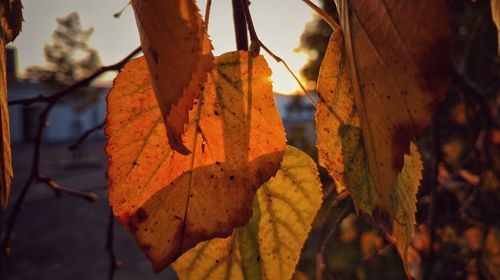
[(64, 238)]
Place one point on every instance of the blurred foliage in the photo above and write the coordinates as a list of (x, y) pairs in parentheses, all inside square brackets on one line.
[(465, 215), (69, 59)]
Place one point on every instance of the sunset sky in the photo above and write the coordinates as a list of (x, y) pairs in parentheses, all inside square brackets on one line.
[(279, 24)]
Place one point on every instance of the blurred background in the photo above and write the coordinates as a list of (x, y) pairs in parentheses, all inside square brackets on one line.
[(65, 238)]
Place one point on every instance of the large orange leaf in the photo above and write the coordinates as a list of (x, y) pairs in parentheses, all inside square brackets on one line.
[(170, 201), (179, 57), (398, 57), (11, 19)]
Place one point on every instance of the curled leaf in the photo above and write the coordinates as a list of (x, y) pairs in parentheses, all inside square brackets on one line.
[(11, 21), (170, 201), (342, 151), (179, 57), (398, 54), (269, 246)]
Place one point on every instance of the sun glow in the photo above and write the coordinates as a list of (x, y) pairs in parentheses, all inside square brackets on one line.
[(283, 81)]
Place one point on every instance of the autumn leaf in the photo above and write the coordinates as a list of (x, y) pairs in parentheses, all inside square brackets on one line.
[(178, 52), (495, 14), (342, 151), (404, 202), (269, 246), (11, 20), (399, 65), (170, 201), (339, 141)]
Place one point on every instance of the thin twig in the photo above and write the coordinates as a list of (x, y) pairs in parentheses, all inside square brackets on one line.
[(279, 60), (92, 197), (35, 174), (120, 12), (333, 24), (251, 28), (5, 246), (85, 135), (257, 43), (349, 207), (433, 184), (81, 83), (207, 14), (110, 237), (323, 241)]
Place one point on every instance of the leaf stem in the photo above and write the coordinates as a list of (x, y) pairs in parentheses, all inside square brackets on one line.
[(207, 14), (333, 24), (257, 44), (240, 26), (110, 237)]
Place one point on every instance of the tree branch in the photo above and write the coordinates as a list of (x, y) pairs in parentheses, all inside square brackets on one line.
[(35, 174), (324, 239), (81, 83), (85, 135), (110, 237), (240, 26)]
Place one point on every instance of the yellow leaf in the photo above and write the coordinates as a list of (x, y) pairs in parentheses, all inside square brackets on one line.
[(399, 64), (269, 246), (178, 52), (170, 201), (495, 14), (342, 151), (11, 21), (340, 147), (404, 202)]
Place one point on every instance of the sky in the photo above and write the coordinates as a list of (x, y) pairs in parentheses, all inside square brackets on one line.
[(279, 24)]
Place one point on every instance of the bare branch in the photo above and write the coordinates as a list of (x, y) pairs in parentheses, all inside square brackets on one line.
[(110, 237), (35, 174), (81, 83), (85, 135)]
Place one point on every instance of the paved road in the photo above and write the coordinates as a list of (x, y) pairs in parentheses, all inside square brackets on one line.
[(64, 238)]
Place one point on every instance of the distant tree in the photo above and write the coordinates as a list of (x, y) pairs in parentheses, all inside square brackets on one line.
[(69, 58), (314, 40)]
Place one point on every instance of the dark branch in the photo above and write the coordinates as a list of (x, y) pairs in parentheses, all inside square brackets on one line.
[(35, 174), (85, 135), (81, 83), (240, 26), (110, 237)]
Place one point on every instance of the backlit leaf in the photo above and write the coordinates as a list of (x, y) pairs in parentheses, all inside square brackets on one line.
[(11, 20), (399, 67), (170, 201), (269, 246), (178, 52), (342, 152), (404, 202)]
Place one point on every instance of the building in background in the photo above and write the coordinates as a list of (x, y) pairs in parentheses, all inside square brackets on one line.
[(67, 120)]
